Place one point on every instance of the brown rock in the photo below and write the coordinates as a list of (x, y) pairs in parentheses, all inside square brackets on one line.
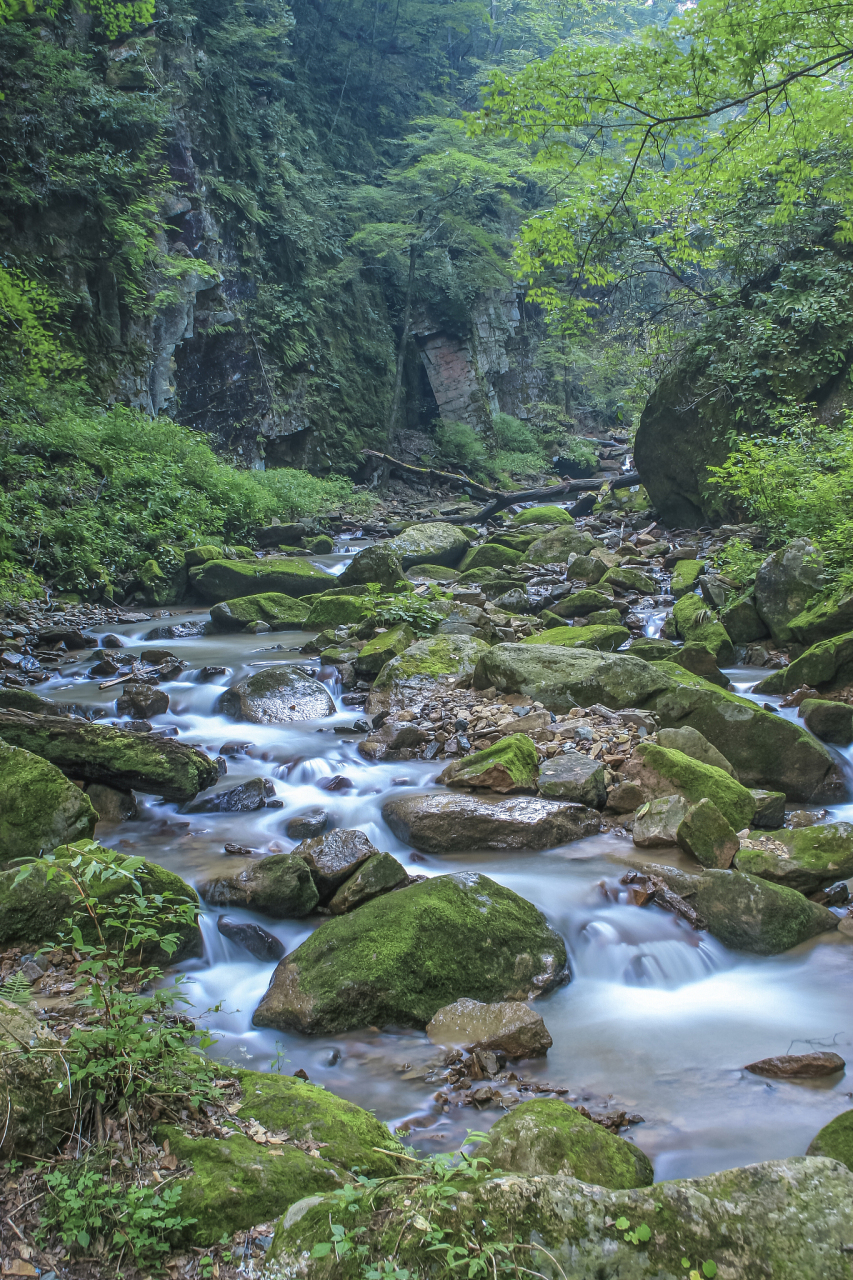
[(333, 857), (141, 701), (508, 1026), (803, 1065)]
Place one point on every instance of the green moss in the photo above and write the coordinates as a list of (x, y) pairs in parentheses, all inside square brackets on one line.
[(39, 808), (697, 781), (695, 621), (383, 647), (436, 656), (429, 544), (201, 555), (228, 579), (439, 572), (705, 833), (605, 638), (835, 1140), (684, 576), (401, 957), (514, 541), (542, 515), (563, 678), (549, 1136), (380, 874), (749, 914), (822, 620), (556, 547), (651, 649), (490, 556), (338, 611), (631, 580), (582, 602), (511, 764), (811, 857), (280, 886), (279, 611), (826, 665)]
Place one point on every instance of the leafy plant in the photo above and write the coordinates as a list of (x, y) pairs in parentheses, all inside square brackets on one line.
[(738, 561), (416, 610), (459, 445)]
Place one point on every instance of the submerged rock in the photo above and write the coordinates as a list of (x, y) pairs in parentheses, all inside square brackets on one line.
[(511, 764), (402, 957), (798, 1066), (279, 886), (806, 859), (141, 701), (39, 808), (308, 824), (509, 1027), (440, 823), (258, 941), (277, 695)]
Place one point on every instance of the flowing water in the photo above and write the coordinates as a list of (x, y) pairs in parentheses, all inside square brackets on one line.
[(657, 1018)]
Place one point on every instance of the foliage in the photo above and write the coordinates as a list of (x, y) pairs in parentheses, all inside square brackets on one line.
[(798, 483), (416, 610), (513, 435), (738, 562), (459, 445)]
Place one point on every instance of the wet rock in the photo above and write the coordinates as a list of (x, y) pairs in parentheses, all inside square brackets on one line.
[(429, 544), (220, 580), (333, 857), (829, 721), (306, 825), (798, 1065), (111, 641), (548, 1136), (405, 955), (509, 1027), (114, 757), (141, 701), (334, 610), (704, 833), (34, 1092), (279, 886), (112, 805), (405, 680), (379, 874), (234, 748), (277, 695), (695, 622), (701, 661), (556, 547), (69, 636), (835, 1140), (281, 535), (690, 742), (245, 798), (823, 620), (660, 771), (805, 859), (657, 822), (651, 649), (827, 665), (280, 612), (562, 678), (574, 776), (39, 808), (206, 674), (378, 563), (258, 941), (382, 648), (784, 585), (511, 764), (392, 737), (181, 631), (606, 638), (685, 574), (742, 621), (201, 555), (443, 823)]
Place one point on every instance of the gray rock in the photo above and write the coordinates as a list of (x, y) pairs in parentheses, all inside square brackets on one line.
[(308, 824), (804, 1066), (429, 544), (279, 886), (830, 721), (380, 563), (379, 874), (574, 776), (245, 798), (784, 585), (657, 822), (769, 809), (112, 805), (509, 1027), (563, 678), (690, 742), (141, 701), (456, 823), (742, 621), (333, 857), (258, 941), (277, 695), (706, 835)]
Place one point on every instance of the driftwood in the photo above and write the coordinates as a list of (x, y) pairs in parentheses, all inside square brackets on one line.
[(497, 499)]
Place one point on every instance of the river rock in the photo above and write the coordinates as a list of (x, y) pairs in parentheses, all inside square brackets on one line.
[(835, 1140), (509, 1027), (39, 808), (742, 621), (333, 610), (379, 563), (459, 619), (701, 661), (556, 547), (406, 680), (822, 620), (429, 544), (405, 955), (548, 514), (684, 576), (258, 941), (750, 914), (546, 1135), (826, 665), (651, 648), (230, 579), (798, 1065), (114, 757), (829, 721), (625, 797), (580, 603), (490, 556), (574, 776), (245, 798), (806, 859), (34, 1090), (278, 611), (605, 637), (382, 648), (142, 701), (562, 678), (705, 834), (379, 874), (694, 621), (333, 857), (441, 823), (112, 805), (279, 886), (786, 582), (392, 737), (690, 742), (657, 821), (661, 771), (769, 808), (627, 579), (308, 824), (510, 764), (277, 695)]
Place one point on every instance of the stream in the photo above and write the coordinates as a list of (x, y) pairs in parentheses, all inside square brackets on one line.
[(658, 1020)]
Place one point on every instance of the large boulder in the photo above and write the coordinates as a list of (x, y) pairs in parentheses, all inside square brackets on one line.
[(786, 1219), (807, 858), (279, 612), (277, 695), (508, 1026), (660, 771), (39, 808), (696, 622), (490, 556), (835, 1140), (546, 1135), (829, 721), (99, 753), (556, 547), (564, 678), (550, 514), (383, 647), (705, 834), (785, 584), (442, 823), (379, 874), (510, 764), (230, 579), (606, 638), (402, 957), (405, 679), (692, 743), (824, 619), (827, 665), (280, 886), (574, 776), (380, 563), (34, 1085), (429, 544), (336, 610)]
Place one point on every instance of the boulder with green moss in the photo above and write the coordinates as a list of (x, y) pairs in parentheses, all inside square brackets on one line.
[(429, 544), (548, 1136), (511, 764), (490, 556), (823, 619), (557, 546), (201, 555), (586, 569), (827, 665), (435, 572), (113, 757), (685, 575), (404, 680), (39, 808), (34, 1086), (403, 956), (827, 720), (627, 579), (695, 621), (742, 621), (652, 648), (705, 834), (379, 563), (563, 678), (606, 638), (285, 575), (701, 661), (280, 886), (550, 514), (807, 858), (383, 647), (786, 583), (513, 540), (276, 695), (582, 602), (280, 612), (692, 743), (379, 874), (338, 611), (835, 1140), (662, 771)]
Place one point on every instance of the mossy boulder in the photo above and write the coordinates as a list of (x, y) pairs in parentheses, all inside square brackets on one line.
[(661, 771), (605, 638), (769, 809), (34, 1088), (403, 956), (786, 583), (821, 620), (652, 649), (571, 775), (750, 914), (701, 661), (630, 580), (556, 547), (685, 575), (338, 611), (582, 602), (380, 874), (696, 622), (383, 647), (407, 677), (276, 695), (514, 541), (280, 612), (563, 678), (692, 743), (490, 556), (550, 514), (705, 834), (379, 563), (229, 579), (827, 665), (280, 886), (511, 764), (113, 757), (548, 1136), (39, 808), (835, 1140), (437, 572), (742, 621), (429, 544), (829, 721), (201, 555), (586, 569), (807, 858)]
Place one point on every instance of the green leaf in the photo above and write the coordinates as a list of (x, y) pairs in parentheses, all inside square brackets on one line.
[(709, 1269), (321, 1250), (622, 1224)]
